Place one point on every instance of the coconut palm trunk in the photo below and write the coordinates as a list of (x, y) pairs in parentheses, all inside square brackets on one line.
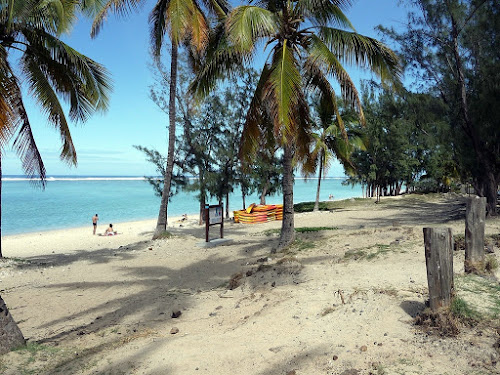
[(11, 336), (161, 224), (287, 227), (316, 203)]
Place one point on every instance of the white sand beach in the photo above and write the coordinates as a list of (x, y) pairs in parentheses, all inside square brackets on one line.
[(340, 301)]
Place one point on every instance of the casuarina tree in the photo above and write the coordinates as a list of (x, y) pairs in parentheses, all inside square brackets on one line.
[(185, 23), (308, 42)]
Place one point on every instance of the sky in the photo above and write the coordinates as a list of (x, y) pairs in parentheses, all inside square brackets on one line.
[(105, 142)]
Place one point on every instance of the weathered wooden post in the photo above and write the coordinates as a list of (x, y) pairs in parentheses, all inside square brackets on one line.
[(475, 216), (439, 262)]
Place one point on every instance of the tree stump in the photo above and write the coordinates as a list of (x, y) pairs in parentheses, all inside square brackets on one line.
[(10, 334), (475, 216), (439, 262)]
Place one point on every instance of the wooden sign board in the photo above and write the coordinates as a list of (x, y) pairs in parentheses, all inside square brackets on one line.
[(214, 216)]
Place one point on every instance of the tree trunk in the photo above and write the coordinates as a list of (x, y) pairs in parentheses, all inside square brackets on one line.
[(487, 176), (264, 193), (10, 334), (316, 203), (439, 262), (287, 235), (227, 205), (243, 199), (202, 209), (489, 190), (161, 224)]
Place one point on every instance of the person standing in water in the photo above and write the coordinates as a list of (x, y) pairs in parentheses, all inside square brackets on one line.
[(95, 218)]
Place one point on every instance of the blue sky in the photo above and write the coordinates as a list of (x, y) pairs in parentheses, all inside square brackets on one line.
[(104, 143)]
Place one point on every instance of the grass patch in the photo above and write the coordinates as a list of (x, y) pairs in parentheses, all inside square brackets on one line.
[(314, 229), (33, 348), (480, 292), (301, 245), (272, 232), (367, 253), (462, 311), (331, 205), (35, 357), (164, 235), (355, 254)]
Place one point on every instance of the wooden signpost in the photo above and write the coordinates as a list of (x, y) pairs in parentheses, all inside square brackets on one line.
[(214, 216)]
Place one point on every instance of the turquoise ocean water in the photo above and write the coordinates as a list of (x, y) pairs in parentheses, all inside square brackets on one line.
[(70, 202)]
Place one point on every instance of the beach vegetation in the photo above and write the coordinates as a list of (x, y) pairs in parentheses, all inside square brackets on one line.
[(164, 235), (185, 23), (314, 229), (301, 245), (480, 292), (405, 145), (369, 253), (274, 231), (330, 205), (462, 311), (305, 51), (208, 144), (450, 49), (329, 140)]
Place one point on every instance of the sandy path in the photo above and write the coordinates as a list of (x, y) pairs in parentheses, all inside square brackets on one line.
[(102, 305)]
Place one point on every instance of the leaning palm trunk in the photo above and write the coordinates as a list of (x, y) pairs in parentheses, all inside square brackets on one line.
[(161, 224), (11, 336), (316, 203), (287, 227)]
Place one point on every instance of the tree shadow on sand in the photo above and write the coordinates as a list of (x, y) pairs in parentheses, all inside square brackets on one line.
[(417, 212)]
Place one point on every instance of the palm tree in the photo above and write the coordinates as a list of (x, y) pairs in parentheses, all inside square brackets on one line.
[(186, 23), (29, 32), (306, 49), (330, 143)]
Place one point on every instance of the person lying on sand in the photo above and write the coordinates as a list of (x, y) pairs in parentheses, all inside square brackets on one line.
[(183, 218), (110, 231)]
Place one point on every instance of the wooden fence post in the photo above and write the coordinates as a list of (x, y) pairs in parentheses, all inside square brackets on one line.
[(439, 262), (475, 216)]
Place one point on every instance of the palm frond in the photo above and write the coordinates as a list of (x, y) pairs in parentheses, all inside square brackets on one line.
[(246, 24), (219, 7), (326, 12), (24, 143), (362, 51), (320, 54), (221, 61), (120, 7), (283, 92), (42, 90), (328, 107), (82, 82)]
